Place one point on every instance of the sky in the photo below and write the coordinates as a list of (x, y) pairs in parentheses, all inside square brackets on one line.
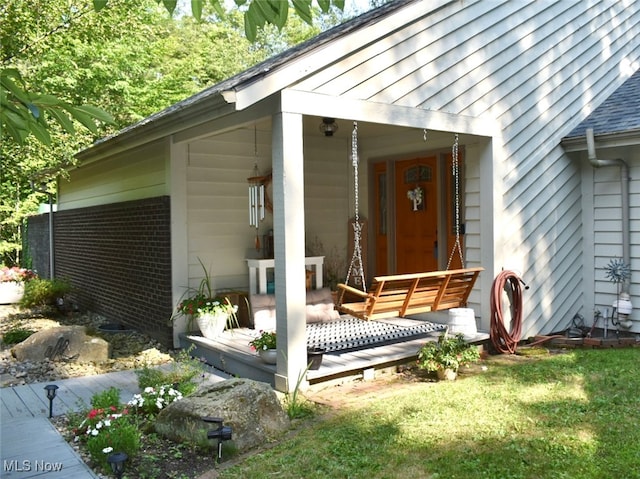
[(350, 6)]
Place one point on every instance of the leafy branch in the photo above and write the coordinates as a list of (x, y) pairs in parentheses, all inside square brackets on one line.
[(257, 13), (23, 113)]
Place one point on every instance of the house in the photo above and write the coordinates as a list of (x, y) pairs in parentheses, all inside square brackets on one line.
[(609, 187), (504, 81)]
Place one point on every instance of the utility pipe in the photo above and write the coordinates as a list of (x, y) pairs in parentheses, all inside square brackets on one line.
[(624, 193)]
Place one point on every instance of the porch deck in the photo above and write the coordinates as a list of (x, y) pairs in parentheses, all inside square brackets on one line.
[(231, 353)]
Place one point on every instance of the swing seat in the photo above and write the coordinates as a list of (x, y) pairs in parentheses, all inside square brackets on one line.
[(403, 294)]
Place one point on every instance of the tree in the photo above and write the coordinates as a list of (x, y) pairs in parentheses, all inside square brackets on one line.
[(257, 13), (22, 111), (129, 59)]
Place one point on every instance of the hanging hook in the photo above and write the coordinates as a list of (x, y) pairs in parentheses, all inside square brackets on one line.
[(424, 135), (255, 141)]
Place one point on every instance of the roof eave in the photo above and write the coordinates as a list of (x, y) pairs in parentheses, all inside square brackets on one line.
[(605, 140), (151, 129)]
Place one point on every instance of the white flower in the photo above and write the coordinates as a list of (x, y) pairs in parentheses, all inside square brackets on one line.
[(107, 450), (107, 422), (148, 390), (95, 432)]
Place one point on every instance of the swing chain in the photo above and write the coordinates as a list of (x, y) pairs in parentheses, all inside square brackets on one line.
[(455, 169), (356, 259)]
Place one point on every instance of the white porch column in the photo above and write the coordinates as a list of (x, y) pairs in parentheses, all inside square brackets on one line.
[(289, 250), (176, 169)]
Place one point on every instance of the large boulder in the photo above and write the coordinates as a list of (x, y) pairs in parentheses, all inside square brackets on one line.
[(250, 408), (69, 343)]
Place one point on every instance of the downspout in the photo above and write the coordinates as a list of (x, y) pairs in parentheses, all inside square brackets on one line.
[(624, 192)]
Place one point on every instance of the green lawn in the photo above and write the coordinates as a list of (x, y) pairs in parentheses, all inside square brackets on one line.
[(572, 415)]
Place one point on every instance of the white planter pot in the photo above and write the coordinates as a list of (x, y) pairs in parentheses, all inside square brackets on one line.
[(447, 374), (269, 356), (212, 325), (11, 292)]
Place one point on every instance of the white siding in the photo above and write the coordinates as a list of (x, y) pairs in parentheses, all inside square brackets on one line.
[(605, 225), (536, 67), (217, 201), (134, 175)]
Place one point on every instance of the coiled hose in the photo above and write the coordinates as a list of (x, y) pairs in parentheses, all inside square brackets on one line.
[(502, 340)]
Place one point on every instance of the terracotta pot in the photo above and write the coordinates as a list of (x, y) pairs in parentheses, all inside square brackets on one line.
[(269, 356), (212, 325), (11, 292), (447, 374)]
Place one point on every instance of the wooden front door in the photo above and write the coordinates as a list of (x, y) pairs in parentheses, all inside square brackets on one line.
[(416, 215)]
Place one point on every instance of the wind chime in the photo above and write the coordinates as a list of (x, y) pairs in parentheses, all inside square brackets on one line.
[(258, 197), (256, 202)]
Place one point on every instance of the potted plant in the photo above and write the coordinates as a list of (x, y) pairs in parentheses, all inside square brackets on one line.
[(212, 313), (446, 355), (265, 345), (12, 281)]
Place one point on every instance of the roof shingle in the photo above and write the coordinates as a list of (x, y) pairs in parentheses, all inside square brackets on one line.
[(618, 113)]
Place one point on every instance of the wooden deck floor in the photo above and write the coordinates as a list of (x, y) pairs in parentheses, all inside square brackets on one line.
[(231, 353)]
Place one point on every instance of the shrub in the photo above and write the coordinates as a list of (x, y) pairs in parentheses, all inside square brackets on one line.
[(16, 335), (181, 375), (44, 292), (448, 352), (106, 398)]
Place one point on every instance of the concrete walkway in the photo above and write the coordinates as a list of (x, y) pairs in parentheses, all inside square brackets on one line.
[(31, 447)]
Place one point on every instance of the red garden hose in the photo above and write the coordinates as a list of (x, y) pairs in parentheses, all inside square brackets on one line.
[(502, 340)]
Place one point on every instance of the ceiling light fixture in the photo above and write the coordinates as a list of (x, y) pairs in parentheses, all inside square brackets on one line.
[(328, 126)]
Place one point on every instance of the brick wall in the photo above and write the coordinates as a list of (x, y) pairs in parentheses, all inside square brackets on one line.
[(36, 249), (118, 257)]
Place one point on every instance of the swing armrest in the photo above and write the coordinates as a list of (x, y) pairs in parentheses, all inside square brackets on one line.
[(354, 291)]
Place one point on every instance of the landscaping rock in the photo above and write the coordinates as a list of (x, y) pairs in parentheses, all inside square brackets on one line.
[(250, 408), (68, 343)]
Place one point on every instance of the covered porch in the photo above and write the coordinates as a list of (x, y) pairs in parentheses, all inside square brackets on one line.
[(390, 164)]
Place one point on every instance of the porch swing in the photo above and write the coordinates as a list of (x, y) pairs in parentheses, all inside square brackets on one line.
[(404, 294)]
